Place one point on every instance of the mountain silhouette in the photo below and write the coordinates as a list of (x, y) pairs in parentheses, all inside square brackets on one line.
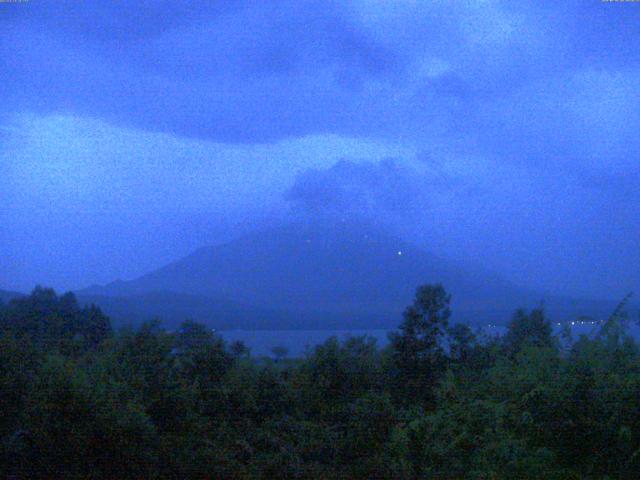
[(6, 296), (313, 275)]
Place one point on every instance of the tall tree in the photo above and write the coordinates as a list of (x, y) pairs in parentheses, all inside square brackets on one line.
[(417, 352)]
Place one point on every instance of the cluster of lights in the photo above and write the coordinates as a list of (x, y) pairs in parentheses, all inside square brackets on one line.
[(582, 322), (573, 323)]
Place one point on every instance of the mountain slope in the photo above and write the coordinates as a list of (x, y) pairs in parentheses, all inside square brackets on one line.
[(172, 308), (348, 274), (7, 296)]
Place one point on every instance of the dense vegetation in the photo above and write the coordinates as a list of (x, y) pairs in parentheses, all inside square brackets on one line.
[(81, 401)]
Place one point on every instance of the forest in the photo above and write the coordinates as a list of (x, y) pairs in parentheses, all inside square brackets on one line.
[(80, 400)]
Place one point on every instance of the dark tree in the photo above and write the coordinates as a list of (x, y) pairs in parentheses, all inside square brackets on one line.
[(280, 352), (462, 341), (417, 352), (528, 329), (50, 321)]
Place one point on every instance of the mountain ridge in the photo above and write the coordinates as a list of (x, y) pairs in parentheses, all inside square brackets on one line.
[(340, 270)]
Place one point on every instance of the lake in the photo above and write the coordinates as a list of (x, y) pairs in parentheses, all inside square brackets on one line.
[(297, 341)]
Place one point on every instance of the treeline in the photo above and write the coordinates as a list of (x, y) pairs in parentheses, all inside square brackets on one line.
[(78, 400)]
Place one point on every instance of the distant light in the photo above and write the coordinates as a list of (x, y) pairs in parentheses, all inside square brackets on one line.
[(399, 252), (573, 323)]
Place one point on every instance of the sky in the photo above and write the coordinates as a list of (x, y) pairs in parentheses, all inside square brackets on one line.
[(496, 133)]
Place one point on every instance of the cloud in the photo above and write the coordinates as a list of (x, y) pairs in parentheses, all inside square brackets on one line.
[(409, 196), (211, 71), (358, 189), (73, 163), (253, 72)]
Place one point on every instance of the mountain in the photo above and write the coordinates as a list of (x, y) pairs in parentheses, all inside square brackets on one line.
[(7, 296), (313, 275), (172, 308)]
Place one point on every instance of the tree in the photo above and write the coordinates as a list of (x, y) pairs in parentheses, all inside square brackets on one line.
[(335, 374), (528, 329), (280, 352), (418, 358), (49, 321), (83, 424), (462, 341), (97, 326), (202, 354), (238, 349), (370, 424)]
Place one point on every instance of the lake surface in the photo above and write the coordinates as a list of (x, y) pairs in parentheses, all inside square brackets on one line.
[(298, 341)]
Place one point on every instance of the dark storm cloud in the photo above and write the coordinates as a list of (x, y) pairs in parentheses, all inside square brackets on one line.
[(253, 72), (259, 71)]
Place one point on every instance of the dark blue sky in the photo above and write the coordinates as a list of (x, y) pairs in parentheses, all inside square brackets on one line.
[(500, 133)]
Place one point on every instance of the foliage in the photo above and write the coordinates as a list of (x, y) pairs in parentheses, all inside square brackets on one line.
[(80, 401), (417, 353)]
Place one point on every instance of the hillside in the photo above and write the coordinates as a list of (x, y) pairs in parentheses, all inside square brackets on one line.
[(172, 308), (313, 275), (7, 296)]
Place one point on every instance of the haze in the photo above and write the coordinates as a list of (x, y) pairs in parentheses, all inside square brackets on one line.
[(497, 135)]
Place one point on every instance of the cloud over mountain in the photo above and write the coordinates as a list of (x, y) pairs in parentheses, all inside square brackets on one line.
[(366, 189)]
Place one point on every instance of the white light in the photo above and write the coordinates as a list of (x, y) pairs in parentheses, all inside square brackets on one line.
[(399, 252)]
